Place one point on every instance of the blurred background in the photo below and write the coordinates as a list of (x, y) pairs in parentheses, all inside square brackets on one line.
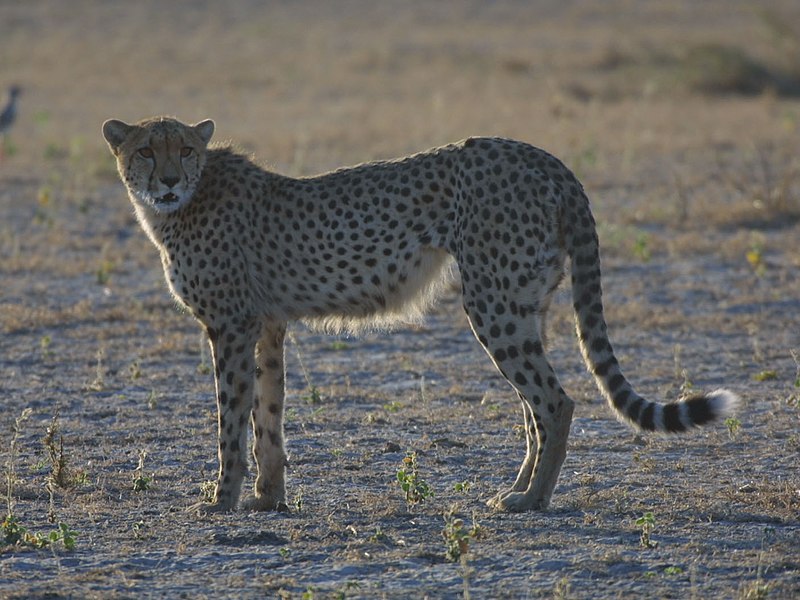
[(313, 84)]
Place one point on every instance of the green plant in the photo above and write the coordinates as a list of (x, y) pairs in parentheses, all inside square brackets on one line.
[(139, 529), (681, 373), (341, 594), (141, 481), (379, 536), (393, 406), (646, 523), (44, 203), (14, 534), (755, 258), (733, 424), (135, 370), (44, 346), (103, 272), (457, 537), (313, 396), (415, 488), (461, 486), (562, 589), (766, 375), (641, 248)]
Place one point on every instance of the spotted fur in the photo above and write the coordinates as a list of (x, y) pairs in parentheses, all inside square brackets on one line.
[(247, 251)]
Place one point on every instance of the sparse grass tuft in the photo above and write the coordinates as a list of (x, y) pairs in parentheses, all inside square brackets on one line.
[(12, 531), (11, 478), (61, 474), (313, 396), (98, 384)]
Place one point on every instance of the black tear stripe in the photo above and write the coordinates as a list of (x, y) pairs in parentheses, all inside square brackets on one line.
[(151, 177), (130, 163)]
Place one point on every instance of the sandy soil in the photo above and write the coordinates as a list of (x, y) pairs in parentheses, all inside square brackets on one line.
[(696, 187)]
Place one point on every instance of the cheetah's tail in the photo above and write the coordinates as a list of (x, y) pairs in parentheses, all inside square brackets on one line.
[(673, 417)]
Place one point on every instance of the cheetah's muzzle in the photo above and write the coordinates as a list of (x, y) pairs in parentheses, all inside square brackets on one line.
[(168, 198), (251, 250)]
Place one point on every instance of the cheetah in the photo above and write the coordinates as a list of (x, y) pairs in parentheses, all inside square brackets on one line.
[(247, 251)]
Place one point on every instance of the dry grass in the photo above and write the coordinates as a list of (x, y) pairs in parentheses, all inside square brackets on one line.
[(682, 119)]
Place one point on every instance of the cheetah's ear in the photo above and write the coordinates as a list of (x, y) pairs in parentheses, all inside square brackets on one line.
[(205, 129), (116, 132)]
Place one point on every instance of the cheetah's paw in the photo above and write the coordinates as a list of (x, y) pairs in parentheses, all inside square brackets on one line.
[(516, 502), (205, 509), (262, 503)]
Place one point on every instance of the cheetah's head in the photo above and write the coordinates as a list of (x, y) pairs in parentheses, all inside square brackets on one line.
[(159, 159)]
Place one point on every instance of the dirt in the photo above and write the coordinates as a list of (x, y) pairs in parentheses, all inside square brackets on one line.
[(697, 196)]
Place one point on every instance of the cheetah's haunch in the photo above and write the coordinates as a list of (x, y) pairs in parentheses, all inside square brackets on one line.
[(247, 250)]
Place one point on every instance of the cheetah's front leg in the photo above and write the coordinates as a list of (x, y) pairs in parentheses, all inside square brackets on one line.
[(232, 349), (268, 448)]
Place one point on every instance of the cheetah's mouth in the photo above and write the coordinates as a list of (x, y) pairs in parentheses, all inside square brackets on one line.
[(168, 198)]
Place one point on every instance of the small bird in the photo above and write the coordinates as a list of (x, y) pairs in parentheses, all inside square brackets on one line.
[(8, 115)]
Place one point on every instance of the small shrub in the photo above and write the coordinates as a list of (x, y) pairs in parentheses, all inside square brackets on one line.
[(457, 537), (461, 486), (141, 481), (647, 523), (720, 69), (313, 396), (733, 424), (415, 488), (765, 375), (14, 534)]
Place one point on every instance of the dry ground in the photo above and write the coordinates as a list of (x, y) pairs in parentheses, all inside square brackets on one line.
[(683, 121)]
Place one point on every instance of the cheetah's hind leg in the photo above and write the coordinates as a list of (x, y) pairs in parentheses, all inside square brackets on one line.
[(518, 353)]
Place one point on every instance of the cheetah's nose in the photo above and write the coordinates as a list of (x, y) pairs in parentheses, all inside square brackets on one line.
[(170, 181)]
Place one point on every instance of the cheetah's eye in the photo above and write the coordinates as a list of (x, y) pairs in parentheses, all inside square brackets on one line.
[(146, 152), (186, 151)]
